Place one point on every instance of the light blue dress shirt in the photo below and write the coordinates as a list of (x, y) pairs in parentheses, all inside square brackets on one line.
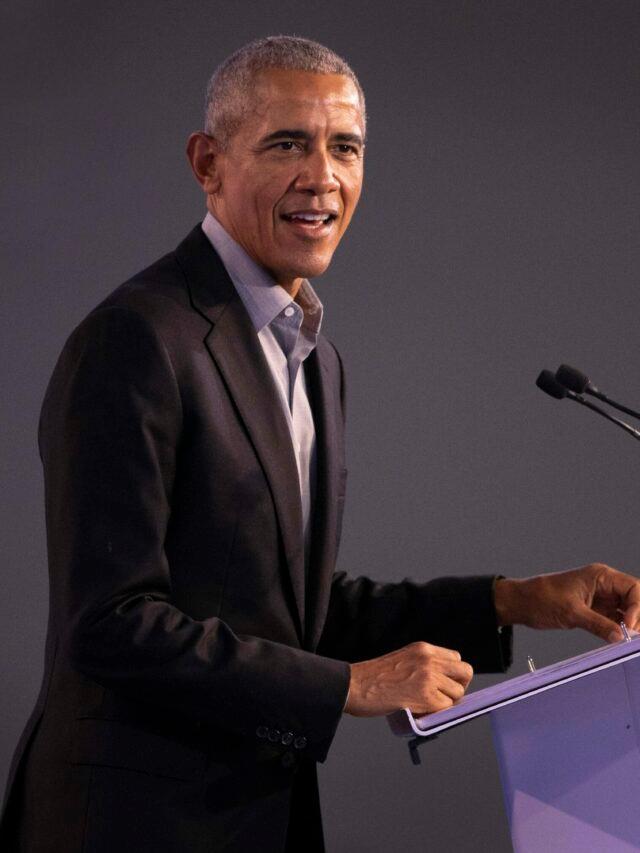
[(288, 331)]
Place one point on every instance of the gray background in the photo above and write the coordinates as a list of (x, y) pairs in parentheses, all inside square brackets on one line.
[(497, 234)]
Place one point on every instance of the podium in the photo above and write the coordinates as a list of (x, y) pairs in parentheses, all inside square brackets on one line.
[(567, 738)]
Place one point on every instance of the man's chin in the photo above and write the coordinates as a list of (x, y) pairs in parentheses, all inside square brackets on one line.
[(309, 266)]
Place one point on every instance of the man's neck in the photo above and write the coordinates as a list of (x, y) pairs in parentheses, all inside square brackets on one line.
[(291, 285)]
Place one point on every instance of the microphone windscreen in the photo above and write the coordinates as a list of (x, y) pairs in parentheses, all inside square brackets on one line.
[(572, 379), (548, 383)]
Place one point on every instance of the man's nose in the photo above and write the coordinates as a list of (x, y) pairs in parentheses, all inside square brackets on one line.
[(317, 175)]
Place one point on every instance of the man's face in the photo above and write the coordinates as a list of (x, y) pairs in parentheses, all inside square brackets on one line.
[(290, 177)]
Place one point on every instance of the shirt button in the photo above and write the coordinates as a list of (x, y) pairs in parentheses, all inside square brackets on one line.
[(286, 738), (262, 732), (300, 742), (274, 735), (288, 311)]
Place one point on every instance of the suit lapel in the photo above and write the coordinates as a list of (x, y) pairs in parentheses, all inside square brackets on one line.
[(324, 393), (234, 346)]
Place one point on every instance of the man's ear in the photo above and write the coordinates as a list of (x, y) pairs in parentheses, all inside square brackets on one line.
[(202, 152)]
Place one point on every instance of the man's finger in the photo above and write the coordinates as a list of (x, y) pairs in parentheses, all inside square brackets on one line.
[(459, 671), (620, 586), (602, 627), (632, 616), (451, 688), (626, 589)]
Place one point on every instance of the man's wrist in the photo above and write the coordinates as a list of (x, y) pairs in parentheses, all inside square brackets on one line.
[(349, 690), (507, 599)]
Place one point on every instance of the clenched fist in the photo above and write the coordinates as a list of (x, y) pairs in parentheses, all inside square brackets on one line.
[(421, 677)]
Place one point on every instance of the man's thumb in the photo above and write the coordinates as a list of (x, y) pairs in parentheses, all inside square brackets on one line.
[(602, 627)]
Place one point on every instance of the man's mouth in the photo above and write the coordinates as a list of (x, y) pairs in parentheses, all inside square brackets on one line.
[(312, 222)]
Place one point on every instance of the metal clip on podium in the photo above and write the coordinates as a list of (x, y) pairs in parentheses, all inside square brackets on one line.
[(567, 738)]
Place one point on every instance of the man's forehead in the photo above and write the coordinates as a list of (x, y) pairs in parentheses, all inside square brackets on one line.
[(299, 93)]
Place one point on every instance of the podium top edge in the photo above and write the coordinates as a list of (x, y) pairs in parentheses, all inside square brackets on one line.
[(404, 724)]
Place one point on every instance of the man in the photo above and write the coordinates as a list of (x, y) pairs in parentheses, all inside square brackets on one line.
[(201, 650)]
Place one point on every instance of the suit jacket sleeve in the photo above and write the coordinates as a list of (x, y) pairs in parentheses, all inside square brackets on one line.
[(367, 619), (110, 440)]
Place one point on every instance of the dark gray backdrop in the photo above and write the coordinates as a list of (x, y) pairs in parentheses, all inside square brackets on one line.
[(497, 234)]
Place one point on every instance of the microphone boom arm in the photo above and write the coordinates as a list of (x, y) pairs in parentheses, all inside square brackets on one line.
[(613, 403), (634, 432)]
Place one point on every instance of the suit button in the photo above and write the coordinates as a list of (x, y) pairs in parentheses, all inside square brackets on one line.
[(288, 760), (274, 735), (286, 738), (300, 742), (262, 732)]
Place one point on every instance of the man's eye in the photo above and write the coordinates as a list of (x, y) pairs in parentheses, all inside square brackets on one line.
[(286, 145), (345, 148)]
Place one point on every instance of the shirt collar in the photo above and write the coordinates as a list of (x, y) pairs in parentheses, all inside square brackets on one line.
[(262, 297)]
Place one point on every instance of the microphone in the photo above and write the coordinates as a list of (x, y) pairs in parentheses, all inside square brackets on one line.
[(549, 383), (577, 382)]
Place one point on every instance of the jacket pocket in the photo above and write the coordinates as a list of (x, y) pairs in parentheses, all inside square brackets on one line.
[(113, 743)]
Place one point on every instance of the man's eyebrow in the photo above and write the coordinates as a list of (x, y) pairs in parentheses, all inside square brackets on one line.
[(286, 134), (348, 137), (302, 134)]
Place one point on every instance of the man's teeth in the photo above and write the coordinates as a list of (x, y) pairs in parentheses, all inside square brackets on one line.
[(310, 217)]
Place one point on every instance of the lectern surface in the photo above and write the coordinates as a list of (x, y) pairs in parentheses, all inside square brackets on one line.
[(404, 724)]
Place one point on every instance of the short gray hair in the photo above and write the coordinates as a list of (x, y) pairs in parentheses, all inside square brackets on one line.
[(230, 89)]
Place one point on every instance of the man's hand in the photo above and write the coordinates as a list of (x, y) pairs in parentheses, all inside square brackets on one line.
[(594, 597), (421, 677)]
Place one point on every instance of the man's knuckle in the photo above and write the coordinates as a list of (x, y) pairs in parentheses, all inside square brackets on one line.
[(421, 648)]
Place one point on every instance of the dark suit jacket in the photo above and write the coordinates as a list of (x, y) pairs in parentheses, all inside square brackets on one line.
[(192, 678)]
